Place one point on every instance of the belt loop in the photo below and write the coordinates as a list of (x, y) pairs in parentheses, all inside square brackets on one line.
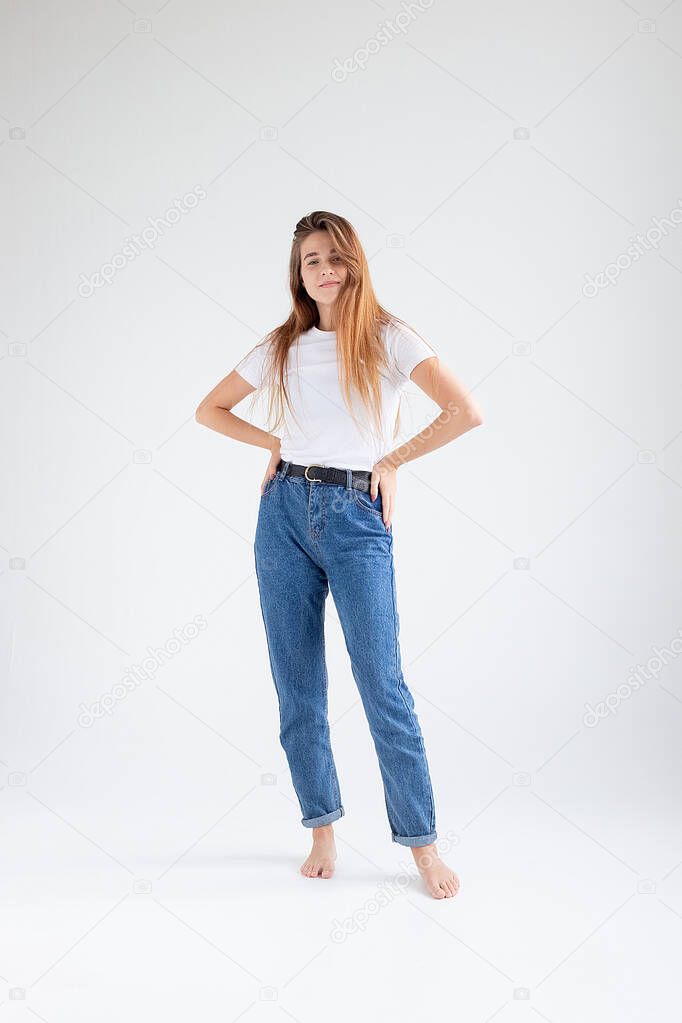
[(349, 479), (285, 469)]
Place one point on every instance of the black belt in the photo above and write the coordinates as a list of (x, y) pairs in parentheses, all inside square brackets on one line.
[(361, 479)]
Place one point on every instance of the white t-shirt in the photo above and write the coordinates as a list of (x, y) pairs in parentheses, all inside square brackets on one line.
[(324, 432)]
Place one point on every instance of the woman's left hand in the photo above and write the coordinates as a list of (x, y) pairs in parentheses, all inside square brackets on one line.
[(384, 480)]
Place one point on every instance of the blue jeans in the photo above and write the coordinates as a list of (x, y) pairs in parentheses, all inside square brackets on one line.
[(310, 537)]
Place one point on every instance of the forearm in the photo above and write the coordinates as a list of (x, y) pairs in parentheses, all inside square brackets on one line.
[(227, 423), (450, 424)]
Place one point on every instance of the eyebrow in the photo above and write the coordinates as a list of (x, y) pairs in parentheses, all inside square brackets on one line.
[(314, 254)]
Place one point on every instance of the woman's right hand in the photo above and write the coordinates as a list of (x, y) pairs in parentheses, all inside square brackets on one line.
[(271, 469)]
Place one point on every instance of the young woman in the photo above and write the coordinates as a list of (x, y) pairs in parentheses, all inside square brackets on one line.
[(339, 363)]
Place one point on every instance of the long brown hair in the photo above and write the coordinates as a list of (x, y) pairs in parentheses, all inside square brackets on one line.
[(358, 320)]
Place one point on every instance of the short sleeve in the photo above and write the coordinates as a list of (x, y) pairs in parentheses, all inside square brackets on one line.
[(407, 349), (251, 366)]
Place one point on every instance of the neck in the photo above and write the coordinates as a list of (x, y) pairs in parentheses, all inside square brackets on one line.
[(325, 317)]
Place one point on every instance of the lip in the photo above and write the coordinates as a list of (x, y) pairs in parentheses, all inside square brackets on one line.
[(330, 284)]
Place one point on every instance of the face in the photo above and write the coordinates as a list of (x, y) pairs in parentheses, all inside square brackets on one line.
[(322, 268)]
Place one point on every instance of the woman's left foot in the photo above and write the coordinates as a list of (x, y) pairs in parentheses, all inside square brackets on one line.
[(441, 881)]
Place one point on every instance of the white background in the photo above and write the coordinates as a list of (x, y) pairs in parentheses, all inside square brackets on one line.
[(490, 156)]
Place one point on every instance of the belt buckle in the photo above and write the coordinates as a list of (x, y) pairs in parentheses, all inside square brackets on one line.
[(314, 479)]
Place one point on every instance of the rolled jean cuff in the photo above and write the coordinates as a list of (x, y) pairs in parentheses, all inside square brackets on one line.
[(326, 818), (416, 840)]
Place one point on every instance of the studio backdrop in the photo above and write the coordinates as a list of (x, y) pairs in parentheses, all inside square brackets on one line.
[(513, 172)]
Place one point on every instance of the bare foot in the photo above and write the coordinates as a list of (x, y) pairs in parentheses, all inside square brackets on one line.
[(441, 881), (320, 863)]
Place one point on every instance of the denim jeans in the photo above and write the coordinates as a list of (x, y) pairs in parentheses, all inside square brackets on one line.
[(312, 537)]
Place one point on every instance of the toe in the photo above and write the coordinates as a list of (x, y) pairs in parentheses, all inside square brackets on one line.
[(437, 892)]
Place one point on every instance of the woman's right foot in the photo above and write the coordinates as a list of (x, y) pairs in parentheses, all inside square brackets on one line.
[(320, 863)]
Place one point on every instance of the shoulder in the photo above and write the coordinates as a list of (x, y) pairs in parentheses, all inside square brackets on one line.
[(406, 348), (251, 365)]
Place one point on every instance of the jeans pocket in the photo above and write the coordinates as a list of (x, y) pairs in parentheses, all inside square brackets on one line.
[(363, 500), (271, 485)]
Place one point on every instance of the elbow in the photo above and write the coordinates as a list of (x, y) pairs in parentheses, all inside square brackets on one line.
[(467, 413), (475, 416), (205, 413)]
